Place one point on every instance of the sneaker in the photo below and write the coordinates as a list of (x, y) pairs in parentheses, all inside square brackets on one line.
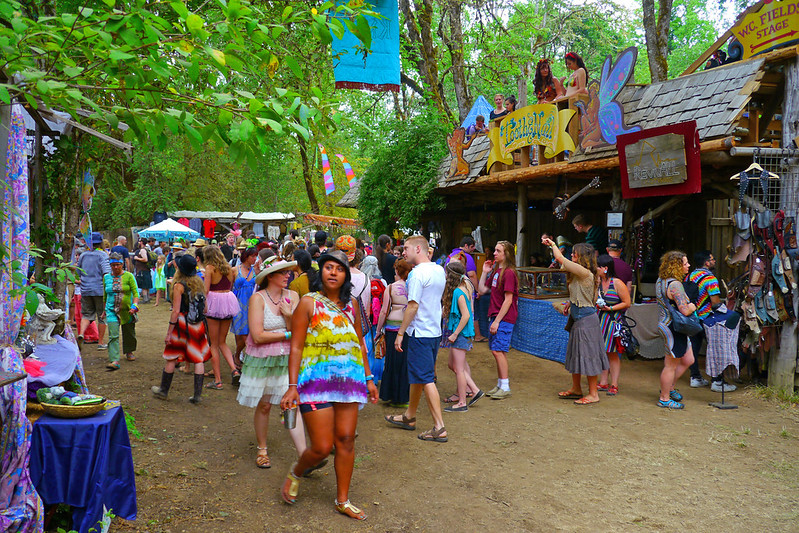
[(102, 346), (453, 409), (728, 387), (501, 394), (492, 392), (699, 382)]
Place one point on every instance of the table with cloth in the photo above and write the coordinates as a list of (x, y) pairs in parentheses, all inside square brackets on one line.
[(539, 329), (85, 463)]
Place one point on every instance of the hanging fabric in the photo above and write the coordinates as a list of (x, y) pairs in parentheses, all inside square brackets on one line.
[(330, 186), (347, 170)]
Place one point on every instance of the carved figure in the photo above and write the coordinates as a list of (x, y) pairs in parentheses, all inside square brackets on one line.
[(43, 323), (458, 165)]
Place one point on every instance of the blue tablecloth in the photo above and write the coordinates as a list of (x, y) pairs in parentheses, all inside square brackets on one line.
[(85, 463), (539, 330)]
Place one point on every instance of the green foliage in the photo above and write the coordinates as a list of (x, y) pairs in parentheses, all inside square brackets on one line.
[(691, 33), (397, 188), (130, 422)]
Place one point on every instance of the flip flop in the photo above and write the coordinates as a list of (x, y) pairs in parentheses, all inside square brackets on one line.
[(567, 395), (112, 366), (585, 401)]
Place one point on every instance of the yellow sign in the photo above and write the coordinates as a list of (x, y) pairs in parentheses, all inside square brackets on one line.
[(540, 124), (776, 24)]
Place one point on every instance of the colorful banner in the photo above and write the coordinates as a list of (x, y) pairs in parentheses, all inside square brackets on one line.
[(330, 186), (377, 69), (347, 170), (540, 124), (774, 26)]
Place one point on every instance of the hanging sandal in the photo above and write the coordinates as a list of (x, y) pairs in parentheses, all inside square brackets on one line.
[(289, 493), (262, 459), (347, 509)]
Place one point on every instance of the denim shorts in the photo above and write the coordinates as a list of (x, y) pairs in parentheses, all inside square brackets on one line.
[(461, 343), (422, 352), (501, 341)]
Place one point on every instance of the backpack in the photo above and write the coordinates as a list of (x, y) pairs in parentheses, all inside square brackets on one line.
[(193, 305), (152, 259)]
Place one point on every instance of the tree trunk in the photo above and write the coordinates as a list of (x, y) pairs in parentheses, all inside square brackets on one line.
[(656, 31), (455, 45), (423, 50), (783, 364), (306, 176)]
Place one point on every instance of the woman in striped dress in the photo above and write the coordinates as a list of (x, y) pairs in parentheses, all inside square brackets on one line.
[(616, 299), (329, 376)]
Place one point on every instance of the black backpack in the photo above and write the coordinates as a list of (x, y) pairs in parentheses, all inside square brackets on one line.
[(193, 305)]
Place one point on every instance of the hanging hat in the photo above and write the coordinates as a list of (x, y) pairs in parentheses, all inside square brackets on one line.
[(275, 266)]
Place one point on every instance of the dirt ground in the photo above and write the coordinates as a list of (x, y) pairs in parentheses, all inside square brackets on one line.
[(532, 462)]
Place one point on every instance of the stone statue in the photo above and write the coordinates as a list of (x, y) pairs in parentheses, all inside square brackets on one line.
[(43, 322)]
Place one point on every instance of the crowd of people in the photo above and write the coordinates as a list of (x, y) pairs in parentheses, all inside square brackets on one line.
[(329, 327)]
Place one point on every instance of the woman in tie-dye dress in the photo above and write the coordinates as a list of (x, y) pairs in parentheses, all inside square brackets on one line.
[(329, 377)]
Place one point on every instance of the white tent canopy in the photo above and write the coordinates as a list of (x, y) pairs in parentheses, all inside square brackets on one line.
[(168, 230), (232, 216)]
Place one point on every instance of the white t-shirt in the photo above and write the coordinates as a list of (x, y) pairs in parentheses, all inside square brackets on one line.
[(425, 286)]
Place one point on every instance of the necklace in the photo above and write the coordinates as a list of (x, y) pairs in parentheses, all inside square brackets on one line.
[(277, 303)]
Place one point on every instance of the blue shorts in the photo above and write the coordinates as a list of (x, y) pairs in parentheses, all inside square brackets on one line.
[(422, 353), (461, 343), (314, 406), (501, 341)]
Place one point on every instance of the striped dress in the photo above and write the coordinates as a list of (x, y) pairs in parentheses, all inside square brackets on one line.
[(331, 369), (607, 319)]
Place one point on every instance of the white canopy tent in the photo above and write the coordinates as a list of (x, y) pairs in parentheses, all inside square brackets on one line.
[(168, 230)]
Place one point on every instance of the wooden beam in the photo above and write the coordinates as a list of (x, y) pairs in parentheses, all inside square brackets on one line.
[(662, 208)]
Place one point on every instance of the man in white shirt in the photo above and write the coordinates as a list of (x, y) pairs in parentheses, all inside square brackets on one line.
[(422, 323)]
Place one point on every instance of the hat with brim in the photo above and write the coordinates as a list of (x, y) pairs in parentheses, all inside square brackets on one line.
[(187, 265), (178, 247), (244, 246), (335, 255), (199, 243), (275, 266)]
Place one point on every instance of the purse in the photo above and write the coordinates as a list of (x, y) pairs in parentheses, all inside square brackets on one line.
[(687, 325)]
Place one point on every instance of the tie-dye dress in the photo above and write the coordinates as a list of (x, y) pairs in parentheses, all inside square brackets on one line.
[(331, 369)]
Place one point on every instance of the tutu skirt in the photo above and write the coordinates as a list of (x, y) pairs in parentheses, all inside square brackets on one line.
[(263, 377), (222, 305)]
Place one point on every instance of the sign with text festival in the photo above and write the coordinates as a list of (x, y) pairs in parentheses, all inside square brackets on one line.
[(660, 161), (775, 25), (540, 124)]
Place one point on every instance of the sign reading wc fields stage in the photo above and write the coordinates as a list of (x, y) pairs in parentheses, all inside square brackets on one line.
[(540, 124), (774, 26), (660, 161)]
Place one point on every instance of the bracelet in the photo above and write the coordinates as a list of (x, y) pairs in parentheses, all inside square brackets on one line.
[(288, 335), (173, 323), (292, 384), (370, 377)]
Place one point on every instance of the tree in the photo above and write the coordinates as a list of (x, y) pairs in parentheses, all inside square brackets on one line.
[(656, 31)]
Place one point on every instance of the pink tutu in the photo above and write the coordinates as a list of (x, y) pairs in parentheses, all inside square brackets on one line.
[(222, 305)]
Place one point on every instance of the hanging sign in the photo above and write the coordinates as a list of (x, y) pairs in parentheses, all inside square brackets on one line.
[(539, 124), (774, 26), (660, 161)]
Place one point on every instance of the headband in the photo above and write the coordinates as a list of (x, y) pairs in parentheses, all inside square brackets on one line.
[(546, 60), (115, 261), (571, 55)]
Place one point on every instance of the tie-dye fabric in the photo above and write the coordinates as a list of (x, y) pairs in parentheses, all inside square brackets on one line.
[(20, 506), (331, 369)]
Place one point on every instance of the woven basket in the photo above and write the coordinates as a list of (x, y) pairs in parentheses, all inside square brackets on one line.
[(73, 411)]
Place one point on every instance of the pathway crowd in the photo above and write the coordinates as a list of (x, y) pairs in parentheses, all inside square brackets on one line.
[(322, 329)]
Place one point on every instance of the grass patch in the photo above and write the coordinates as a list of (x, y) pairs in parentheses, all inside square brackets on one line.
[(782, 397)]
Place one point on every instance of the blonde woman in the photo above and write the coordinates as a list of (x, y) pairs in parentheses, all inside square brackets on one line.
[(222, 307), (584, 353), (679, 355)]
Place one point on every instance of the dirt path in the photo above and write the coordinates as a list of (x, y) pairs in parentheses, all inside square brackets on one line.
[(528, 463)]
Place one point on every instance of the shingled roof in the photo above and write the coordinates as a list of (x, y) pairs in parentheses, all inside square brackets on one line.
[(714, 98), (350, 198)]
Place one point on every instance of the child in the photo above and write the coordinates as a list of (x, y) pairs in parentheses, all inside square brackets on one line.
[(160, 278), (456, 310)]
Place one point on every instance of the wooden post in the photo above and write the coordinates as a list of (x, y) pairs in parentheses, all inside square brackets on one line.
[(521, 222), (782, 361)]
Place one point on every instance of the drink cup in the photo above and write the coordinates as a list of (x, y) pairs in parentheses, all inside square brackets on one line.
[(290, 418)]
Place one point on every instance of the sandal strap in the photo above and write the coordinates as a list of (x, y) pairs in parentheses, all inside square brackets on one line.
[(259, 448)]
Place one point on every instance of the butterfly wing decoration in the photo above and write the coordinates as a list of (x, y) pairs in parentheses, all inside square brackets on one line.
[(611, 117)]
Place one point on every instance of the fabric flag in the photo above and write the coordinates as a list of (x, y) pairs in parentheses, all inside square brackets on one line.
[(329, 185), (87, 193), (379, 68), (347, 170)]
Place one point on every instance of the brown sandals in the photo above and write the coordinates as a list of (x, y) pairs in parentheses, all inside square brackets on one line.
[(262, 458), (434, 435), (404, 422)]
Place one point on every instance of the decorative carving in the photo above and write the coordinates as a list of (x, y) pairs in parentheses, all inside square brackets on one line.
[(42, 324)]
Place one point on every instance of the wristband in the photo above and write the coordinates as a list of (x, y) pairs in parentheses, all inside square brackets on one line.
[(288, 335), (292, 384), (370, 377)]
